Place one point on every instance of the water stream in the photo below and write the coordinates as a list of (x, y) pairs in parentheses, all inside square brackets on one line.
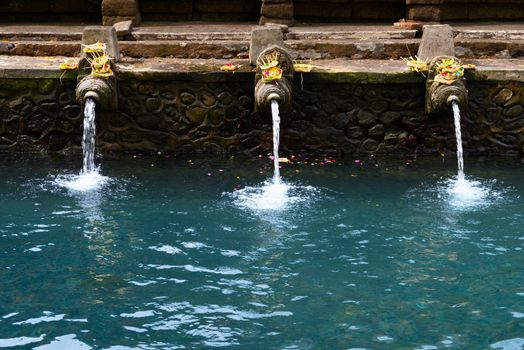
[(88, 138), (458, 134), (276, 139), (463, 193), (89, 178), (274, 194)]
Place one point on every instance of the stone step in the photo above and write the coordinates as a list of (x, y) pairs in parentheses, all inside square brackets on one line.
[(220, 49), (355, 49), (305, 34), (488, 48), (41, 32), (141, 35), (305, 49), (510, 34), (41, 48), (337, 70)]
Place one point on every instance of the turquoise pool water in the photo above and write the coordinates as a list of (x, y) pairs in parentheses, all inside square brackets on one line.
[(174, 254)]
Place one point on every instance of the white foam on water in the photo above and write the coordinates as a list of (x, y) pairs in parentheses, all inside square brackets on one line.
[(460, 194), (84, 182), (272, 196), (463, 193)]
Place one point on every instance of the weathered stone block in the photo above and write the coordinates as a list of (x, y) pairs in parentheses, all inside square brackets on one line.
[(196, 115), (263, 37), (437, 40), (503, 96), (265, 20), (111, 20), (187, 98), (514, 111), (104, 34), (390, 117), (120, 7), (365, 117), (376, 131), (123, 28), (282, 10), (423, 13)]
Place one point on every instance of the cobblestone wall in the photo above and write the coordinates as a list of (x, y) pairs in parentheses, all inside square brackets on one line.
[(185, 117)]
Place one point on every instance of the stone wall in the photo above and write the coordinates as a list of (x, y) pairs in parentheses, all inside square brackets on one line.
[(39, 114), (218, 117), (200, 10), (50, 10)]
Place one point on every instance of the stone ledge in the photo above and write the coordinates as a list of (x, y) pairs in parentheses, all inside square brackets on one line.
[(323, 72)]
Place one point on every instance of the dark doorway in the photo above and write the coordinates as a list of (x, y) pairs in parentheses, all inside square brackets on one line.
[(51, 11), (201, 10), (349, 10)]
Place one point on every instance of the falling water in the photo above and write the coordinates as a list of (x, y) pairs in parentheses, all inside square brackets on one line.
[(276, 139), (458, 134), (89, 179), (88, 138), (464, 194)]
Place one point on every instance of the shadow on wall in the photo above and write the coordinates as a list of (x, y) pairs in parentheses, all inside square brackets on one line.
[(482, 10), (348, 10), (201, 10), (50, 11)]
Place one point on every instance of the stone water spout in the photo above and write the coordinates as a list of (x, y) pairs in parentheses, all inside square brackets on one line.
[(441, 93), (274, 77), (98, 86), (445, 83)]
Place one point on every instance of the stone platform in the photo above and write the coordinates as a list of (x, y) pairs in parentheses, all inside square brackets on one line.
[(359, 98), (335, 70)]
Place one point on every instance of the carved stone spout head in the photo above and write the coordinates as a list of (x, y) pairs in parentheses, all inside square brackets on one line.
[(445, 84), (274, 79), (102, 90)]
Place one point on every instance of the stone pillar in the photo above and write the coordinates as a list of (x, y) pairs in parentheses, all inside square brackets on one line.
[(277, 11), (114, 11)]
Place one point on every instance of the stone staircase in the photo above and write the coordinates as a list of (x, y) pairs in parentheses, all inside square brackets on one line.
[(231, 41)]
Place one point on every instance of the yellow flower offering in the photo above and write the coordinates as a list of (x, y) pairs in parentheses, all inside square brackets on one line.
[(97, 47), (230, 67), (68, 65), (271, 74)]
